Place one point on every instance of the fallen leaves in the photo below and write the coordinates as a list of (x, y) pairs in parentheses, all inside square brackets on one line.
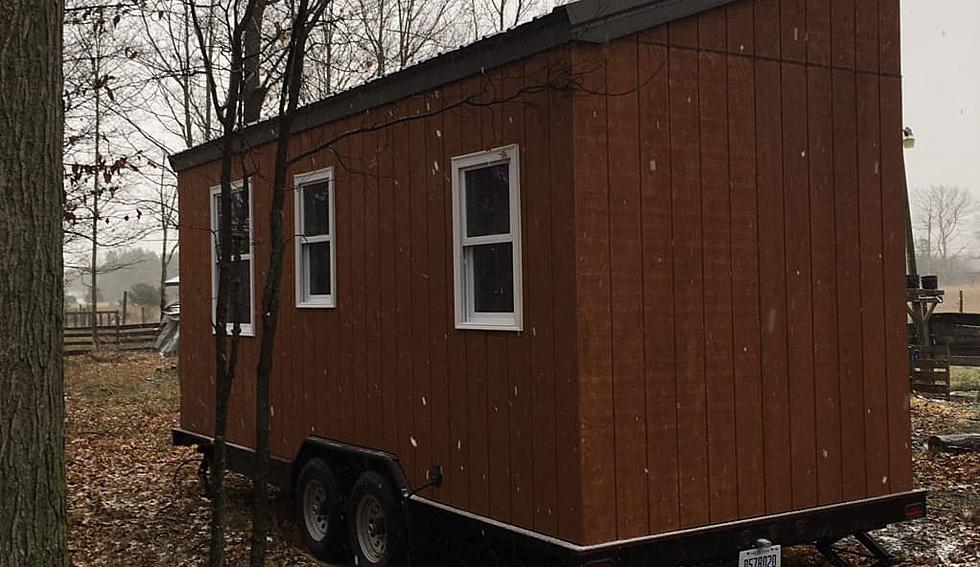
[(136, 500), (133, 499)]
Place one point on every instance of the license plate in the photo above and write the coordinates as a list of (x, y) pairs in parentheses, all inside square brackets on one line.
[(765, 557)]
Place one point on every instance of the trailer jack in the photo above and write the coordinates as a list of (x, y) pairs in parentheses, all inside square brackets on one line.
[(884, 559), (202, 472)]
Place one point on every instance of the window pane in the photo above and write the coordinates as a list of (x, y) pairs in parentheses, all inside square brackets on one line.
[(240, 306), (239, 221), (316, 209), (492, 267), (317, 258), (488, 200), (217, 227)]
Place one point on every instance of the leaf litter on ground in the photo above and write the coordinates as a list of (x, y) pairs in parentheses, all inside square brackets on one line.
[(134, 499)]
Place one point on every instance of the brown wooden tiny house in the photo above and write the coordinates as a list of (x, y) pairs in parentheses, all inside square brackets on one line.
[(706, 215)]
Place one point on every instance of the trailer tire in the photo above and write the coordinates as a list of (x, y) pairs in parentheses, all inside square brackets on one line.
[(374, 519), (319, 512)]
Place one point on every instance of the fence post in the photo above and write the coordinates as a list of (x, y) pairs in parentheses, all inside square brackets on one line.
[(125, 298), (961, 301)]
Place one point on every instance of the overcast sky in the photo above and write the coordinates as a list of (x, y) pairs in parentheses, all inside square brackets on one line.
[(941, 43)]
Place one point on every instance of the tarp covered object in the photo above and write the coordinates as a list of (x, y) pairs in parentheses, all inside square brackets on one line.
[(168, 337)]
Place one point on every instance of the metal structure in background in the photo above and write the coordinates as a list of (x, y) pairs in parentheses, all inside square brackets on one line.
[(929, 364), (923, 296)]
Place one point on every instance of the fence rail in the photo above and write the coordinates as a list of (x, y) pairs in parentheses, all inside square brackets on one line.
[(142, 336), (105, 318), (929, 367)]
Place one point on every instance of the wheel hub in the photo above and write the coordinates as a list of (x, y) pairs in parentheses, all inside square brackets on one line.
[(315, 514), (371, 528)]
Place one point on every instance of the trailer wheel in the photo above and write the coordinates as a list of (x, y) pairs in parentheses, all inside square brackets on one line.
[(374, 520), (319, 512)]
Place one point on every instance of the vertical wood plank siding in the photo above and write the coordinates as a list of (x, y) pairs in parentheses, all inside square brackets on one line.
[(540, 437), (770, 233), (717, 209), (387, 368), (713, 231), (626, 291), (592, 275), (656, 212)]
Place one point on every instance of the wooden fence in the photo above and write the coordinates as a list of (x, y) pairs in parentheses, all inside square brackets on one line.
[(961, 333), (78, 340), (929, 369), (80, 318)]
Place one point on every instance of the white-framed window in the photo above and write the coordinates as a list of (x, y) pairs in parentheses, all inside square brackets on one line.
[(487, 240), (316, 274), (241, 308)]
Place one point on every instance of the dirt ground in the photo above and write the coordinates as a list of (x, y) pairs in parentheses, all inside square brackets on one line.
[(133, 499)]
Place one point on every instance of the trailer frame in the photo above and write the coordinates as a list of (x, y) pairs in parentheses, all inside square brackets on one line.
[(479, 540)]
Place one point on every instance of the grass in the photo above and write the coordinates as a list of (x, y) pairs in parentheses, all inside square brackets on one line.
[(964, 378)]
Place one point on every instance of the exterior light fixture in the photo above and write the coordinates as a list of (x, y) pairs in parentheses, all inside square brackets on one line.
[(908, 140)]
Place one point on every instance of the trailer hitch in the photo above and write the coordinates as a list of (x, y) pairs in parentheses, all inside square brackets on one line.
[(203, 469), (884, 559)]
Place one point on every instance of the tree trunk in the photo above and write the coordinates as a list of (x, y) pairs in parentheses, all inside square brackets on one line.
[(288, 102), (165, 225), (254, 95), (96, 194), (226, 351), (32, 436), (163, 274)]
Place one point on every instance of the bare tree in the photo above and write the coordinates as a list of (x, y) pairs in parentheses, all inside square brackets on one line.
[(375, 20), (422, 28), (176, 99), (255, 91), (164, 209), (157, 204), (394, 34), (337, 64), (33, 511), (173, 112), (942, 213), (500, 15), (229, 281), (97, 206), (306, 18)]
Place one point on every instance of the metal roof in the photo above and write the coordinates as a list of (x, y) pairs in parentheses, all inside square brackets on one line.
[(591, 21)]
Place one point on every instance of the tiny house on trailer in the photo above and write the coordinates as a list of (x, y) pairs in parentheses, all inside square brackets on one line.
[(624, 284)]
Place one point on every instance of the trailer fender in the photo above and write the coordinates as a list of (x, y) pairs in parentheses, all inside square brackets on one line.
[(348, 462)]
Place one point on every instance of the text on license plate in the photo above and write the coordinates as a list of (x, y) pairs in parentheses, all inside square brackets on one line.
[(765, 557)]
